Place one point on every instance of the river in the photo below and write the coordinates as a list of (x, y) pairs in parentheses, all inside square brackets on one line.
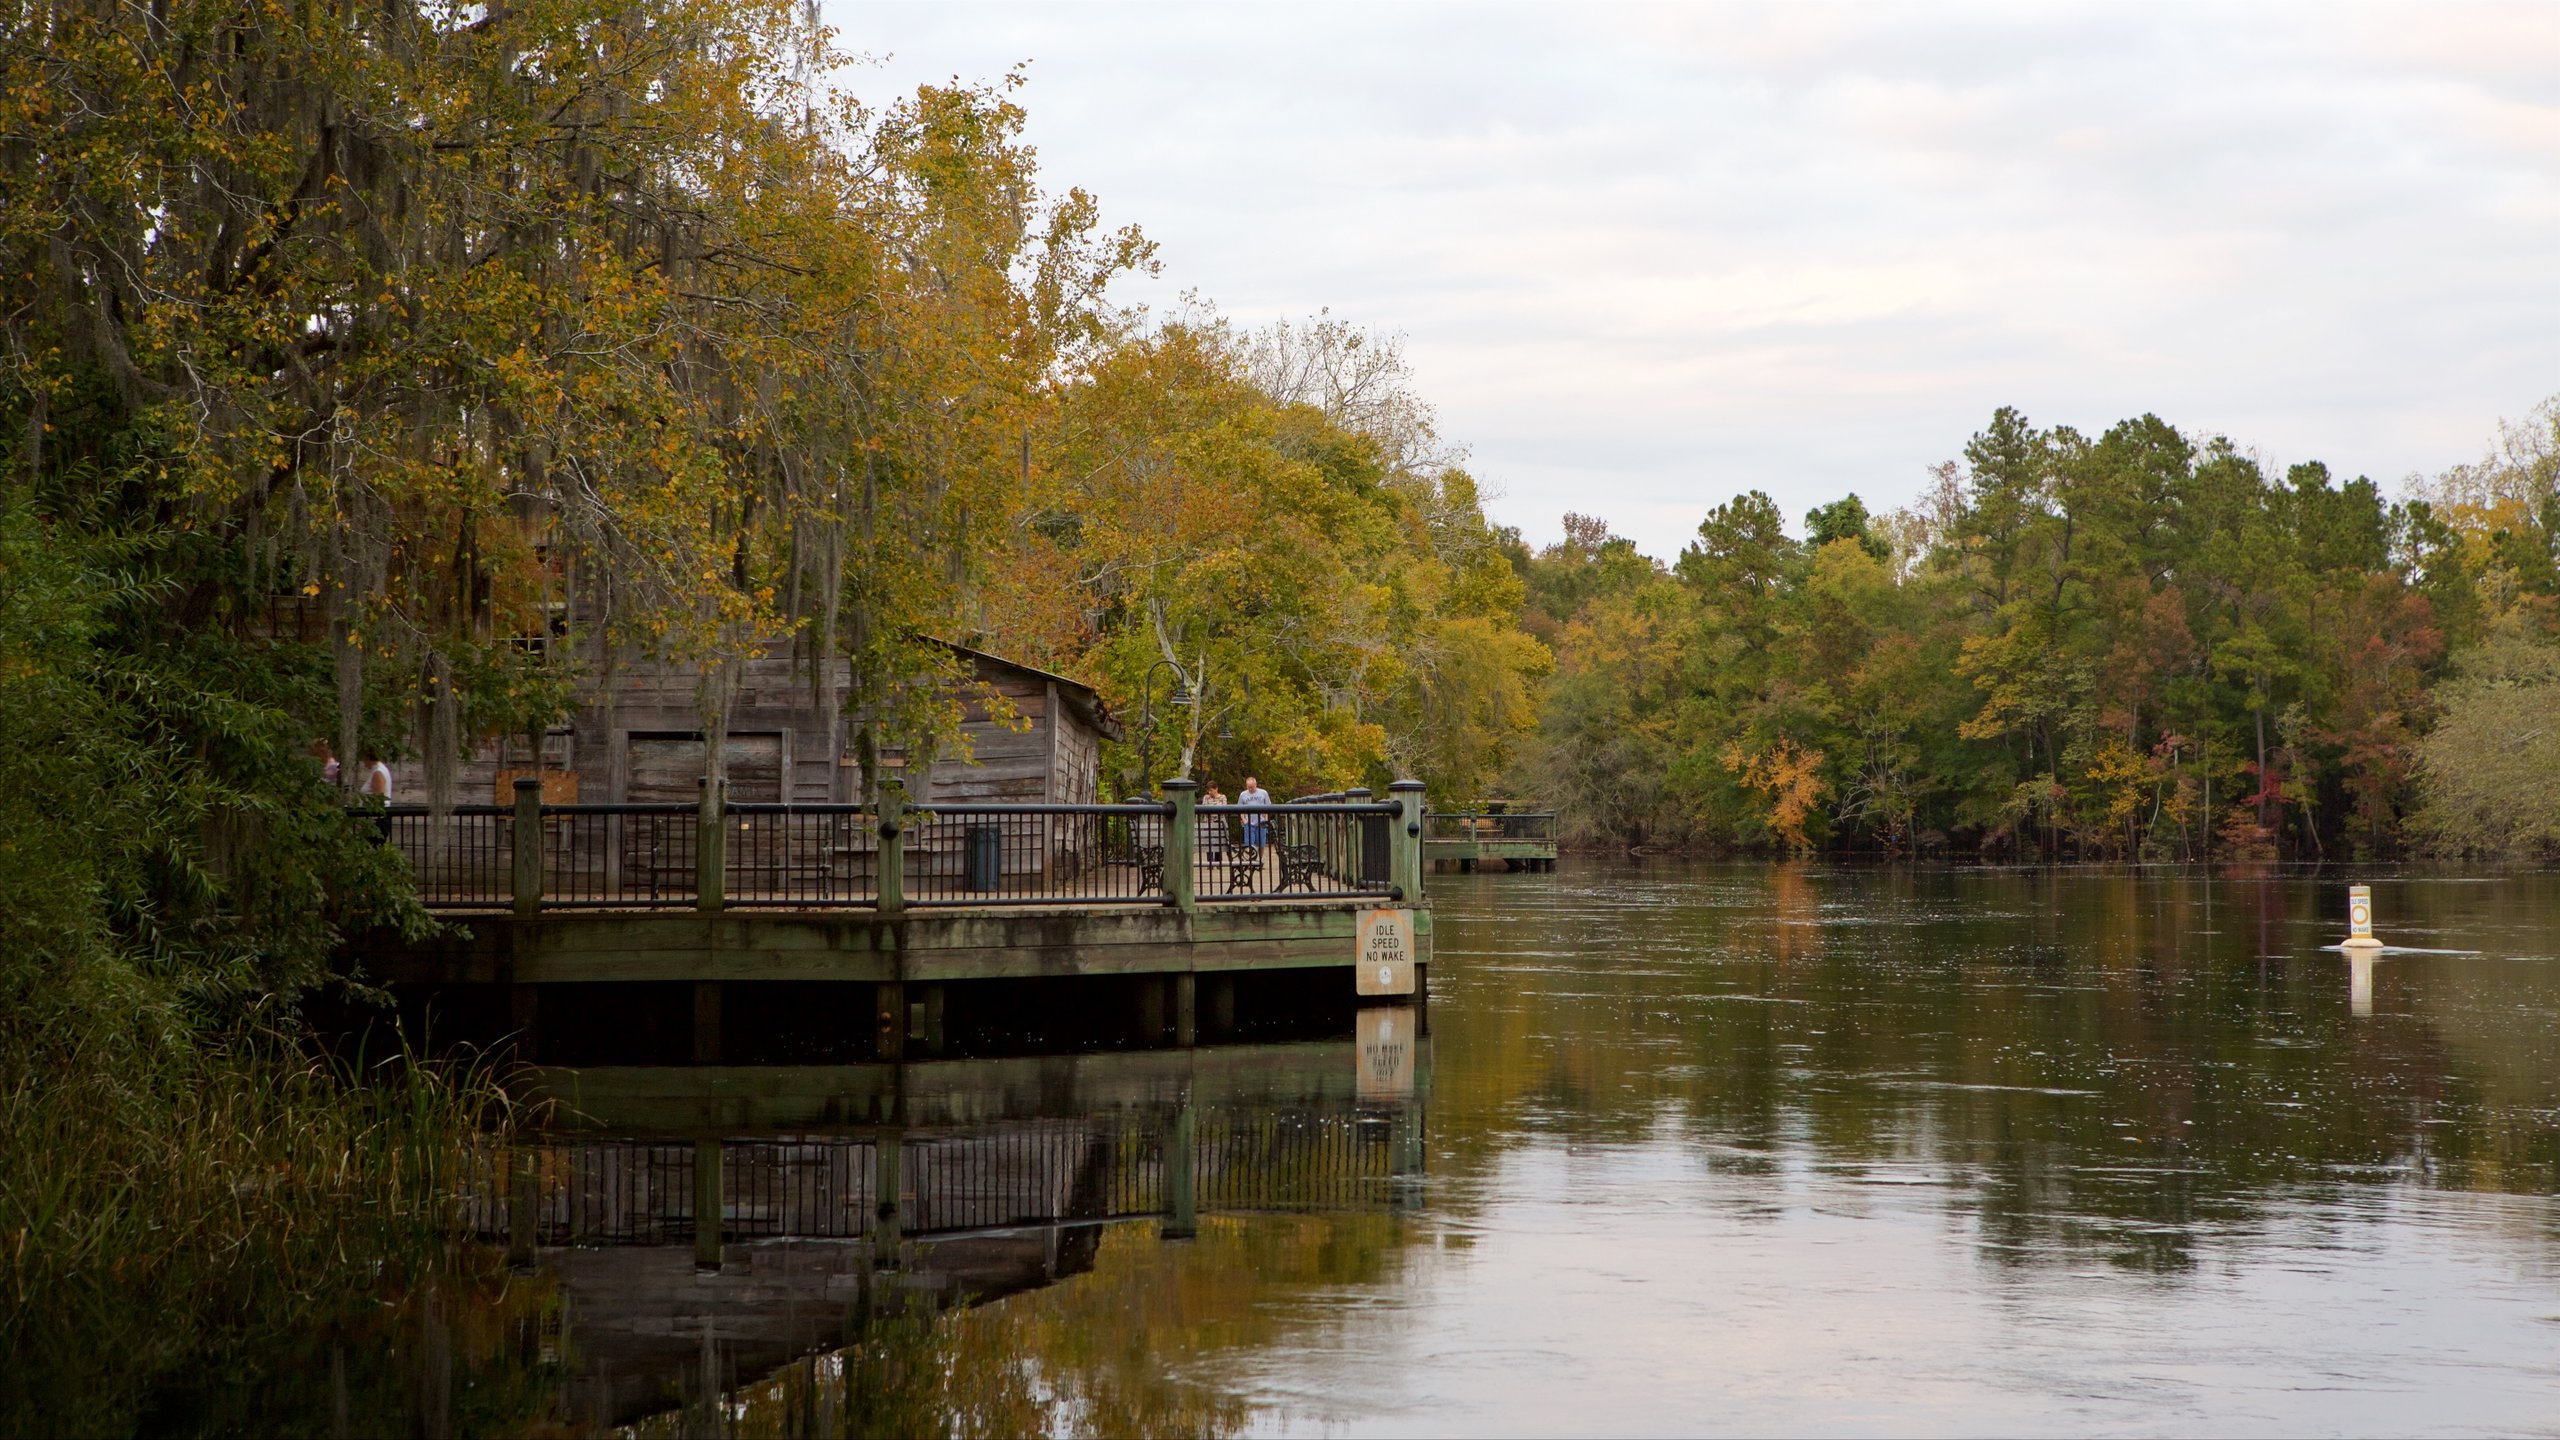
[(1688, 1148)]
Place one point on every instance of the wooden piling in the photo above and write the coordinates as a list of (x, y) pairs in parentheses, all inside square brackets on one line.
[(936, 1003), (1404, 840), (707, 1022), (889, 1011)]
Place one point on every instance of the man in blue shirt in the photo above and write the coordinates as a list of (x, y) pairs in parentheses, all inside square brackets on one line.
[(1256, 828)]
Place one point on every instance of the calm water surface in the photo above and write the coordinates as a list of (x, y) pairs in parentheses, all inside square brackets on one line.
[(1688, 1149), (1779, 1150)]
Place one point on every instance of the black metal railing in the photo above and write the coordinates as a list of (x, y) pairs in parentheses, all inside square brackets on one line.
[(620, 856), (802, 855), (1529, 825), (462, 858), (969, 854), (657, 856), (1308, 851)]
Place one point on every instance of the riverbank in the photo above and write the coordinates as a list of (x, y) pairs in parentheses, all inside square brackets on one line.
[(171, 1234)]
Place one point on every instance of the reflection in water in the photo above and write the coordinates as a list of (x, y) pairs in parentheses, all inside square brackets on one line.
[(2008, 1151), (1793, 1148), (960, 1183), (1707, 1148)]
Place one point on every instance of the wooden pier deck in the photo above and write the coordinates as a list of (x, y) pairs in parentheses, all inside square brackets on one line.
[(1169, 904), (1467, 840)]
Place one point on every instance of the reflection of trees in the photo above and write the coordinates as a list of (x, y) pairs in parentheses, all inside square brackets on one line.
[(1138, 1346), (2095, 1068)]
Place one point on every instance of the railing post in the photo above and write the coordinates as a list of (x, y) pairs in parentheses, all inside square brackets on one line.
[(1182, 844), (1404, 839), (711, 846), (528, 846), (1368, 854), (891, 887)]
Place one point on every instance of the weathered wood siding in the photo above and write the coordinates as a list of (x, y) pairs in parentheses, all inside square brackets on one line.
[(995, 763), (788, 741), (1075, 768)]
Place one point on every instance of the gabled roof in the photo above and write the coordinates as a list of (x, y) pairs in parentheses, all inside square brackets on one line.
[(1083, 698)]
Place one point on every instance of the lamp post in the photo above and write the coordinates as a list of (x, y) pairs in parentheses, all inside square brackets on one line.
[(1179, 695)]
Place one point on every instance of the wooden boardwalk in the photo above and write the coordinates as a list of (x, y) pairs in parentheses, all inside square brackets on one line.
[(1469, 840), (1161, 901)]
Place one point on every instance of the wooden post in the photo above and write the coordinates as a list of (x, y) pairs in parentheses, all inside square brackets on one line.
[(706, 1204), (528, 845), (889, 1011), (1404, 840), (1182, 844), (1354, 861), (1186, 1009), (891, 891), (706, 1022), (1222, 1006), (711, 846), (1181, 1190), (936, 1005), (1151, 1007)]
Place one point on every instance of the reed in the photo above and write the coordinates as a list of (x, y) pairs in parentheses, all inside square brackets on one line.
[(150, 1227)]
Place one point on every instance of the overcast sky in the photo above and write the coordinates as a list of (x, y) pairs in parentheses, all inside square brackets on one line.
[(1646, 257)]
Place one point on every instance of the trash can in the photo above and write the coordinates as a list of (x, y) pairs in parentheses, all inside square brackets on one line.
[(984, 857)]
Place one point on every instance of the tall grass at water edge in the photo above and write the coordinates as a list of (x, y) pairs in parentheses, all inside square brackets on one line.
[(170, 1248)]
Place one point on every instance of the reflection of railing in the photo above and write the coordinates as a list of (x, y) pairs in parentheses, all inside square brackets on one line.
[(532, 856), (1114, 1167), (1479, 825)]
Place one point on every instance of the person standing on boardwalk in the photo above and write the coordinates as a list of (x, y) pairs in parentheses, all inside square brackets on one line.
[(1257, 828), (373, 791), (328, 759), (1213, 828)]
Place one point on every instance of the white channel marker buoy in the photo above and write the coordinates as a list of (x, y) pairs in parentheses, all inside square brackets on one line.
[(2360, 919)]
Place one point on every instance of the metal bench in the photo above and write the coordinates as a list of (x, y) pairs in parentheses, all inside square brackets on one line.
[(1244, 868), (1299, 866)]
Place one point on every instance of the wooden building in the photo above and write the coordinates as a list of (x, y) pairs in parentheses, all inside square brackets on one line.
[(789, 741)]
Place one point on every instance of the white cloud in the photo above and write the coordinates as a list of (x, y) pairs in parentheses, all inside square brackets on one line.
[(1649, 255)]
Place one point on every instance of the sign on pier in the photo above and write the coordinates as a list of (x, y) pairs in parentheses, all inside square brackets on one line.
[(1386, 951)]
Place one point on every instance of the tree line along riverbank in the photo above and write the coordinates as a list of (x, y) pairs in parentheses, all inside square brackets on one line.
[(2134, 645), (345, 349)]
